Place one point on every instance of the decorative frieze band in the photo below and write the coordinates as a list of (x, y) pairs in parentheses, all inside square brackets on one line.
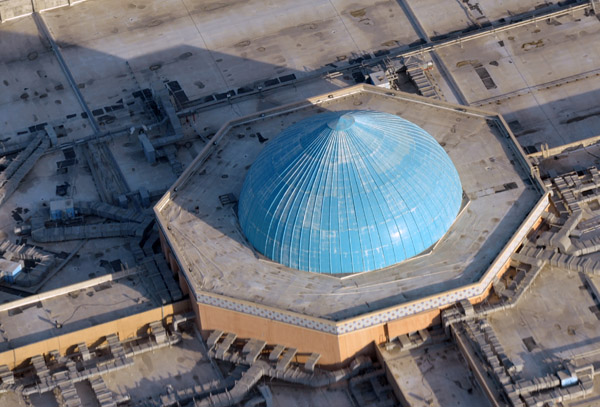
[(387, 315)]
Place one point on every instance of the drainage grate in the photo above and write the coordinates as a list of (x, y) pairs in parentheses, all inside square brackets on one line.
[(227, 199), (485, 77), (271, 82), (287, 78), (530, 343)]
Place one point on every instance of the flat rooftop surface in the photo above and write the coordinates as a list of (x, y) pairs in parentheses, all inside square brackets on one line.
[(114, 48), (575, 159), (434, 376), (296, 396), (210, 243), (544, 77), (554, 321), (181, 366), (76, 310)]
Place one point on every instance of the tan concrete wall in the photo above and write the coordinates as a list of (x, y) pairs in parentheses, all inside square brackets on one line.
[(173, 262), (335, 350), (273, 332), (20, 8), (538, 222), (68, 289), (173, 265), (185, 289), (41, 5), (359, 342), (422, 320), (125, 328), (15, 8)]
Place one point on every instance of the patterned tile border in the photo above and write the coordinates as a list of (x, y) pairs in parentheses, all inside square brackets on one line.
[(387, 315), (251, 309)]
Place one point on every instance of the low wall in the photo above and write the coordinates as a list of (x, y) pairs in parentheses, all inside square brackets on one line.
[(68, 289), (126, 328), (11, 9), (391, 379), (547, 152)]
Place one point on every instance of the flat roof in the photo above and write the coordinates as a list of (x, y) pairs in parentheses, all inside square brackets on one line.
[(544, 74), (216, 258), (75, 310), (555, 321), (433, 375)]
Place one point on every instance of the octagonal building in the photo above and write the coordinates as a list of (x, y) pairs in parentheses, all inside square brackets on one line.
[(348, 192), (348, 219)]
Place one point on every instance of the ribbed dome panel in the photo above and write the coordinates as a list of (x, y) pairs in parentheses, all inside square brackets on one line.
[(346, 192)]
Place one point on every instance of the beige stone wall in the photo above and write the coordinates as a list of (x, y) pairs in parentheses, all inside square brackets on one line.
[(10, 9), (173, 265), (125, 328), (273, 332), (414, 323), (359, 342), (335, 350), (15, 8)]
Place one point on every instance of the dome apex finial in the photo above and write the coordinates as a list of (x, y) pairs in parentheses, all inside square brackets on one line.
[(343, 122)]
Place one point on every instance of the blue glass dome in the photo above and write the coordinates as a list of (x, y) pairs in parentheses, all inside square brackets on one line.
[(346, 192)]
